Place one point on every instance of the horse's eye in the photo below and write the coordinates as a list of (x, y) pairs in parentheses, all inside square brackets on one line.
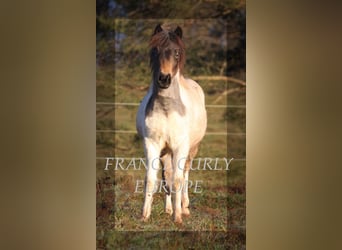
[(176, 53)]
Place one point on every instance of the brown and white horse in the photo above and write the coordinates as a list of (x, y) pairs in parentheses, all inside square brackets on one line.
[(172, 121)]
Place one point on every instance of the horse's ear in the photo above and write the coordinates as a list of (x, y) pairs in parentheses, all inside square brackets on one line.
[(179, 32), (157, 29)]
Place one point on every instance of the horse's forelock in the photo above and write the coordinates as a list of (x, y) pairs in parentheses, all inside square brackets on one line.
[(162, 40)]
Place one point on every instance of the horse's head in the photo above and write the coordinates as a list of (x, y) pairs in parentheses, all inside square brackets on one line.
[(167, 55)]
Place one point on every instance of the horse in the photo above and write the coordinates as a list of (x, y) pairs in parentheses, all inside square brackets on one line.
[(172, 121)]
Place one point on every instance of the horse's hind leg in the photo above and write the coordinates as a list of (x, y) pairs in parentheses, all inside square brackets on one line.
[(185, 195), (167, 179)]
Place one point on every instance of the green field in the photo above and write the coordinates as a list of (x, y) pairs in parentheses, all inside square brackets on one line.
[(218, 213)]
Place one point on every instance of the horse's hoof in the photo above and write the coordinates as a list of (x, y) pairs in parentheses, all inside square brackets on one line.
[(168, 211), (144, 219), (186, 212), (178, 220)]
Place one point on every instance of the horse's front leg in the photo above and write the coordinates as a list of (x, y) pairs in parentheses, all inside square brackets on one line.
[(179, 159), (185, 196), (152, 152)]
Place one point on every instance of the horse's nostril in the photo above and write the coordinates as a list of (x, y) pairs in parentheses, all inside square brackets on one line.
[(164, 78)]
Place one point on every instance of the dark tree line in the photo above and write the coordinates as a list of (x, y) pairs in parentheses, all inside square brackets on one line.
[(228, 28)]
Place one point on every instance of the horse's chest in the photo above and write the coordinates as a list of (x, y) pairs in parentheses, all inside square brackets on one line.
[(162, 127)]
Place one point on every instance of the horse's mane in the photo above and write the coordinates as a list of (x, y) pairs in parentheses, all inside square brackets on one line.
[(162, 40)]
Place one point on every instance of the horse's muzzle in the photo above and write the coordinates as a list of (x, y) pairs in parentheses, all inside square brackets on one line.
[(164, 80)]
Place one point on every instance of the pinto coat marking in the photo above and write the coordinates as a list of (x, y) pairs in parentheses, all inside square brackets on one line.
[(172, 121)]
